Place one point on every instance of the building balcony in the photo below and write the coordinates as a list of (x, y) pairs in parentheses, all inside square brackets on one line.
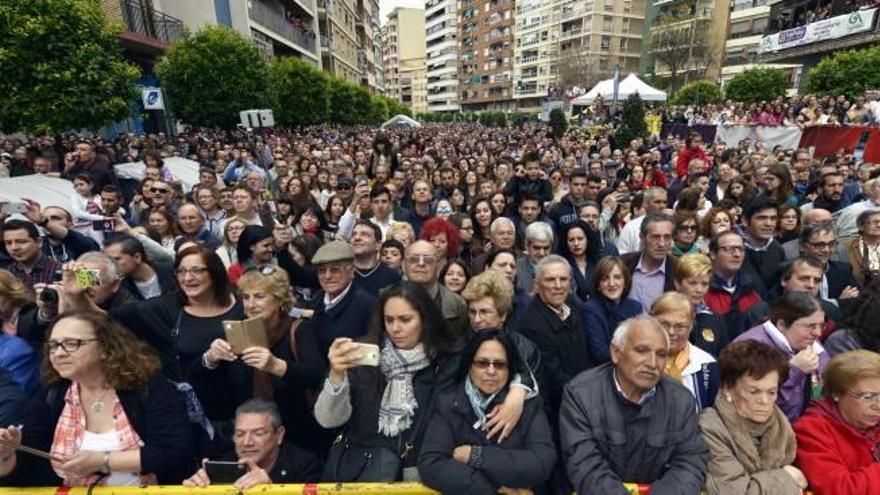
[(526, 91), (276, 22), (147, 29), (528, 60), (571, 33), (841, 32)]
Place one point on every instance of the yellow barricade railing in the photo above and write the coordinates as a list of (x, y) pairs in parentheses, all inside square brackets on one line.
[(306, 489), (403, 488)]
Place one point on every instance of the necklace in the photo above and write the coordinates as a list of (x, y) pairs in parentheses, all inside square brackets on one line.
[(98, 405)]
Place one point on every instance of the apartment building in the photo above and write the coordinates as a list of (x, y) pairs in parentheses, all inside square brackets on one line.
[(369, 46), (535, 51), (286, 28), (693, 35), (403, 43), (441, 55), (597, 35), (485, 51)]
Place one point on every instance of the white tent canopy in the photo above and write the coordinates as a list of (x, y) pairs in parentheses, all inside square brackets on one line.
[(401, 120), (183, 170), (629, 85), (48, 191)]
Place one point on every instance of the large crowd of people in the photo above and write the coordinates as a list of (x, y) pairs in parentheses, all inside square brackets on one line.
[(484, 310)]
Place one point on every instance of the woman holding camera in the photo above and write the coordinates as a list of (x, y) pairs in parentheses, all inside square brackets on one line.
[(107, 417), (458, 458), (385, 408), (281, 372)]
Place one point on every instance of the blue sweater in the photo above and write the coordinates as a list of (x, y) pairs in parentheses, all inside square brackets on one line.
[(601, 317)]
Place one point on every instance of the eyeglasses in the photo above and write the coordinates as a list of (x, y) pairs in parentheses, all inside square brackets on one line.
[(158, 190), (864, 396), (677, 327), (69, 345), (688, 228), (343, 188), (421, 259), (484, 364), (732, 249), (196, 271), (483, 313), (823, 245)]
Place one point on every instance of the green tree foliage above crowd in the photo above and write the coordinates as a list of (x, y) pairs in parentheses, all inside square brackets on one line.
[(213, 75), (755, 85), (697, 92), (62, 67), (558, 122), (300, 93), (848, 72), (632, 121)]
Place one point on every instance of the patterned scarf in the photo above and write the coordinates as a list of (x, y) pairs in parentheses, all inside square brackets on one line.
[(71, 430), (479, 401), (399, 404)]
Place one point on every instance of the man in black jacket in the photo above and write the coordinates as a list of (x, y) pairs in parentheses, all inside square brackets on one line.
[(555, 328), (764, 254), (342, 309), (567, 210), (259, 442), (624, 422)]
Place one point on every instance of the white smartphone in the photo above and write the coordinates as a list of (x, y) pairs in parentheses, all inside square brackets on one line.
[(369, 355), (13, 208)]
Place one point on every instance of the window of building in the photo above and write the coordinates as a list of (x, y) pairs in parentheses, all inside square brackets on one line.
[(607, 23), (606, 42)]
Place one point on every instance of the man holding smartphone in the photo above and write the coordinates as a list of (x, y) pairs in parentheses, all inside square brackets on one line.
[(261, 455)]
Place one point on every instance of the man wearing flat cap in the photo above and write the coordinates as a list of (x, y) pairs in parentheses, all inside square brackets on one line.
[(342, 309)]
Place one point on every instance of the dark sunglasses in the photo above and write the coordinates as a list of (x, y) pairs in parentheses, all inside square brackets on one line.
[(158, 190)]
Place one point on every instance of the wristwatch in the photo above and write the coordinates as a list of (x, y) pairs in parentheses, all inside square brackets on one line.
[(105, 464)]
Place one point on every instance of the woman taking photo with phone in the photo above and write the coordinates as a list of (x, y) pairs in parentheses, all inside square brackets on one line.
[(108, 416), (385, 408)]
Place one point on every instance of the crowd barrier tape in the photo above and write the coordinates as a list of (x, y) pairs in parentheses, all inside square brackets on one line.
[(404, 488)]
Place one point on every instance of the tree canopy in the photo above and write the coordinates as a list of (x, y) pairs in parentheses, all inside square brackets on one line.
[(63, 67), (697, 92), (759, 84), (848, 72), (213, 75), (632, 122)]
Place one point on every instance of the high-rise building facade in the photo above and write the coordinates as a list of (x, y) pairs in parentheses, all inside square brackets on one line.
[(692, 34), (597, 35), (285, 28), (485, 52), (369, 48), (441, 55), (536, 51), (749, 21), (403, 43)]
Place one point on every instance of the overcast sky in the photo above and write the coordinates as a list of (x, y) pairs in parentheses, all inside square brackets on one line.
[(386, 6)]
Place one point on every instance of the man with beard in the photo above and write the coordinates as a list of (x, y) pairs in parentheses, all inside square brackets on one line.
[(831, 196)]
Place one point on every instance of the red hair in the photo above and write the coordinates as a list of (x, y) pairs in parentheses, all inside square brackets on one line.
[(436, 226)]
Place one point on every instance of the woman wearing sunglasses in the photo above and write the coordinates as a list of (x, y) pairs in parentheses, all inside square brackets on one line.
[(457, 456), (107, 416)]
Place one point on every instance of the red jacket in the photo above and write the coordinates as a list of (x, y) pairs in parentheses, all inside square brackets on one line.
[(835, 457), (685, 155)]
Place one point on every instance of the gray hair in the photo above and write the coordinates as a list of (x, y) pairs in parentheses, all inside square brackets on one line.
[(109, 273), (654, 217), (553, 259), (621, 333), (813, 229), (654, 191), (261, 406), (539, 232), (496, 224)]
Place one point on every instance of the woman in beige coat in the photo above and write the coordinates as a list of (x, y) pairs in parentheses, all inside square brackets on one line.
[(751, 444)]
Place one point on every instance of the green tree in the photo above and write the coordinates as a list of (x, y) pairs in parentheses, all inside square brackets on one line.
[(679, 41), (632, 122), (754, 85), (213, 75), (378, 110), (62, 67), (848, 72), (300, 94), (558, 122), (697, 92)]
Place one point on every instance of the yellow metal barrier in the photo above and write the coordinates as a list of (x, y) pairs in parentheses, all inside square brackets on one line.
[(307, 489)]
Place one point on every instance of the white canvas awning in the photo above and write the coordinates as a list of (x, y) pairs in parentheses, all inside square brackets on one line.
[(183, 170), (631, 84), (48, 191), (401, 120)]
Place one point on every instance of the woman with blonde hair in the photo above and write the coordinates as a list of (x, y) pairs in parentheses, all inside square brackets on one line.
[(284, 371), (402, 232), (693, 272), (689, 365), (839, 436), (19, 356), (232, 229), (108, 416)]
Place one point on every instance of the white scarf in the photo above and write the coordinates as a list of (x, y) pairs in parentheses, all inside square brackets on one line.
[(399, 401)]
